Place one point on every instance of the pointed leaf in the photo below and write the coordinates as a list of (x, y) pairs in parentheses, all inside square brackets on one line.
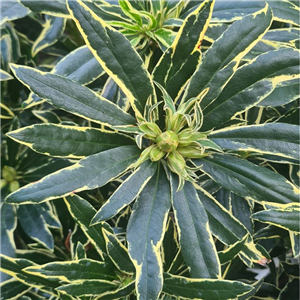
[(68, 141), (89, 173), (272, 138), (66, 271), (145, 233), (118, 253), (248, 180), (82, 212), (87, 288), (222, 58), (5, 76), (197, 245), (250, 84), (56, 8), (119, 293), (12, 289), (34, 225), (286, 218), (115, 55), (205, 289), (179, 62), (126, 192), (12, 10), (71, 96), (53, 29)]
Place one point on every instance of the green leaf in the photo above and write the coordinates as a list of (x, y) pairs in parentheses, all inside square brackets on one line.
[(118, 253), (14, 267), (68, 141), (66, 271), (295, 243), (284, 93), (290, 290), (34, 225), (250, 84), (79, 65), (52, 31), (89, 173), (8, 226), (222, 58), (83, 212), (12, 289), (5, 76), (197, 245), (87, 288), (248, 180), (12, 10), (56, 8), (286, 217), (205, 289), (119, 293), (71, 96), (284, 11), (115, 54), (145, 233), (126, 192), (179, 62), (272, 138), (229, 253)]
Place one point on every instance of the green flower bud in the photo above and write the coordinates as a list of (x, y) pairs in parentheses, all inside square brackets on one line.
[(187, 137), (14, 185), (156, 154), (9, 173), (167, 141), (144, 156), (3, 183), (191, 152), (176, 163), (150, 129)]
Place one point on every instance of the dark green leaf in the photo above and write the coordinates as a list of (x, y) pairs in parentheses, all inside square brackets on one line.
[(115, 55), (248, 180), (197, 245), (145, 233), (126, 192), (272, 138), (68, 141), (71, 96), (206, 289), (12, 10), (89, 173)]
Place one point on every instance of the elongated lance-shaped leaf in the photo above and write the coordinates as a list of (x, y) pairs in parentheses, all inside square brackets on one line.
[(286, 218), (284, 11), (82, 212), (126, 192), (248, 180), (145, 233), (67, 271), (12, 10), (272, 138), (284, 93), (122, 291), (12, 289), (118, 253), (68, 141), (53, 29), (222, 58), (72, 97), (5, 76), (87, 287), (115, 54), (228, 229), (250, 84), (15, 266), (197, 245), (205, 289), (34, 225), (53, 8), (89, 173), (179, 62)]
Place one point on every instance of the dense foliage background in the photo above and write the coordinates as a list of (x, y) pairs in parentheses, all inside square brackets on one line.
[(226, 72)]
